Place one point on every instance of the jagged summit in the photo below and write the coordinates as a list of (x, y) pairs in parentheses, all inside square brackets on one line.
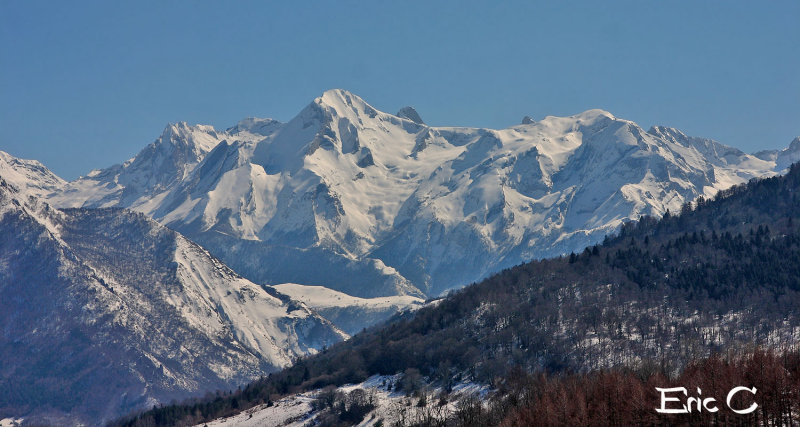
[(788, 155), (341, 103), (794, 146), (323, 114), (716, 152), (659, 130), (204, 137), (255, 125), (528, 120), (183, 128), (411, 114)]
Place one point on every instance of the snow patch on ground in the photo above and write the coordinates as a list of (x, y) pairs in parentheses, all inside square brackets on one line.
[(391, 406), (349, 313)]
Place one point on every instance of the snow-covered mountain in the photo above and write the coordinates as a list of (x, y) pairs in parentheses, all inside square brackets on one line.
[(782, 158), (29, 176), (374, 204), (162, 164), (105, 310)]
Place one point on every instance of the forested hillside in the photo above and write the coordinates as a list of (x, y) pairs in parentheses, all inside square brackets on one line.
[(721, 276), (624, 397)]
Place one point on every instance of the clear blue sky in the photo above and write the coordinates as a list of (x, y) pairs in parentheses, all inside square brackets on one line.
[(84, 85)]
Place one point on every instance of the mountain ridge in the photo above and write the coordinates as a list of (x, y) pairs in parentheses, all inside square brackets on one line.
[(108, 311), (717, 280), (416, 209)]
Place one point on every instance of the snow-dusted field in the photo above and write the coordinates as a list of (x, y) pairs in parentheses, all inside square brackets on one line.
[(291, 411), (391, 406)]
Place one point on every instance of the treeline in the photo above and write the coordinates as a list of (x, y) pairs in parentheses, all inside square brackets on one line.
[(721, 277), (613, 397)]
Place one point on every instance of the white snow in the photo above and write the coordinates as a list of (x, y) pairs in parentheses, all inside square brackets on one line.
[(29, 176), (320, 297), (349, 313), (21, 197), (296, 410), (444, 205), (213, 299), (246, 328), (288, 412)]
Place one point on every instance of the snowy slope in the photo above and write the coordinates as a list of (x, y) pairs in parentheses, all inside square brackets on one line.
[(374, 204), (163, 163), (349, 313), (105, 311), (391, 407), (29, 176), (782, 158)]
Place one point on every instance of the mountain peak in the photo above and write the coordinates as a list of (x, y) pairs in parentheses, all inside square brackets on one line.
[(338, 103), (594, 114), (184, 127), (204, 137), (528, 120), (28, 175), (411, 114), (334, 97), (176, 127), (788, 155)]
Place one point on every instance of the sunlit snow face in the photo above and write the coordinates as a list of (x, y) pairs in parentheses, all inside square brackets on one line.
[(343, 185)]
